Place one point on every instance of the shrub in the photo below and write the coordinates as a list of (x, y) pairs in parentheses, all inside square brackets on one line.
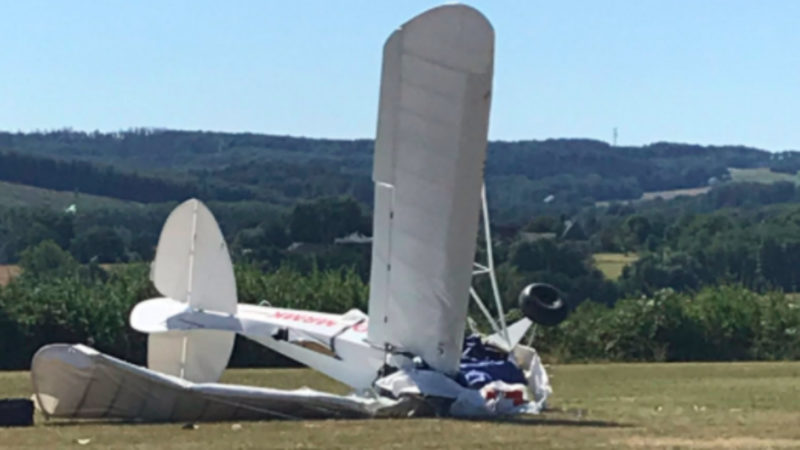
[(75, 306), (720, 323)]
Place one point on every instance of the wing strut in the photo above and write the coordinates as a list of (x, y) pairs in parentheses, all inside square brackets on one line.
[(488, 269)]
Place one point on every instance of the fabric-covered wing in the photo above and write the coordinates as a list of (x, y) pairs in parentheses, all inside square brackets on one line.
[(75, 381), (429, 157)]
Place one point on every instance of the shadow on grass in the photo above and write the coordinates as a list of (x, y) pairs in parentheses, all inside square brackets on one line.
[(431, 409), (528, 420), (553, 421), (100, 423)]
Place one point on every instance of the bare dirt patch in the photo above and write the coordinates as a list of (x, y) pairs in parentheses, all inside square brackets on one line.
[(7, 272)]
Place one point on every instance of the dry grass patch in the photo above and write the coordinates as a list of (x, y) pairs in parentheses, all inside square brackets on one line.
[(611, 264), (7, 272)]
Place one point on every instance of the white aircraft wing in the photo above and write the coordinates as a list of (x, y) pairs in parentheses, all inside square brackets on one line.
[(77, 382), (429, 157)]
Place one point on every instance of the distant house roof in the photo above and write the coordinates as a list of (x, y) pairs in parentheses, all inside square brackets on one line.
[(309, 248), (530, 236), (306, 248), (353, 238)]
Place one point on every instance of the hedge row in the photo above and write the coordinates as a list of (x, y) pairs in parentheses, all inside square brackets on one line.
[(720, 323), (58, 300)]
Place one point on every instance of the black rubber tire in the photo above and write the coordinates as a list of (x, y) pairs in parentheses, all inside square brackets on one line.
[(543, 304), (16, 412)]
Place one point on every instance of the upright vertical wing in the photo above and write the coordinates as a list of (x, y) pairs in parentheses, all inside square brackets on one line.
[(429, 157)]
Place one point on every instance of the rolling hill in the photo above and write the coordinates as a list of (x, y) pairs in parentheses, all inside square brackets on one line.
[(21, 195), (150, 165)]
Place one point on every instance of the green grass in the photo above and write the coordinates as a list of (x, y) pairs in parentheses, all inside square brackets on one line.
[(20, 195), (761, 175), (739, 405), (754, 175), (611, 264)]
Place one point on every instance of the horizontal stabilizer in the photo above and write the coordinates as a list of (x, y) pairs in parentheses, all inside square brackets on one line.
[(159, 315)]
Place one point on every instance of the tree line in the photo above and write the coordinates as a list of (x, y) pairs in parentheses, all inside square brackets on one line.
[(281, 170), (683, 244), (79, 176), (57, 299)]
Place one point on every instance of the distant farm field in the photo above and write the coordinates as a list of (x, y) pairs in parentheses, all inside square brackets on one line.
[(611, 264), (761, 175), (20, 195), (642, 406), (673, 193), (754, 175), (666, 195)]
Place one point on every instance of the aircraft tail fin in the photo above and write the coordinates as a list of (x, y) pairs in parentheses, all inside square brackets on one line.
[(193, 269), (192, 263)]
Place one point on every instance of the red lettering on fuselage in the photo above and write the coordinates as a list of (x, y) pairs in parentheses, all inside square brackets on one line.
[(360, 327), (305, 318)]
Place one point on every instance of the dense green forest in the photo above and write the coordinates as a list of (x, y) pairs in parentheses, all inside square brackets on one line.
[(283, 201), (84, 177), (283, 170)]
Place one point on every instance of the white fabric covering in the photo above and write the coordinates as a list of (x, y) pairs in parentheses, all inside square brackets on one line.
[(192, 266), (79, 382), (429, 157), (538, 381), (494, 399), (75, 381)]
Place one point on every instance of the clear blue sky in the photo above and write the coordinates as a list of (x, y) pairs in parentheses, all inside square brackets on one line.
[(699, 71)]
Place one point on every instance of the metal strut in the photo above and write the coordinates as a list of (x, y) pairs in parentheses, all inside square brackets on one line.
[(488, 269)]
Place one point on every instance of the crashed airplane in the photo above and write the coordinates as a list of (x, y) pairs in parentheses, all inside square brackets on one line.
[(408, 355)]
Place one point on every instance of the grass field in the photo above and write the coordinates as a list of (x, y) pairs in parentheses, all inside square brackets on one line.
[(761, 175), (755, 175), (736, 405), (611, 264), (674, 193), (20, 195), (666, 195)]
